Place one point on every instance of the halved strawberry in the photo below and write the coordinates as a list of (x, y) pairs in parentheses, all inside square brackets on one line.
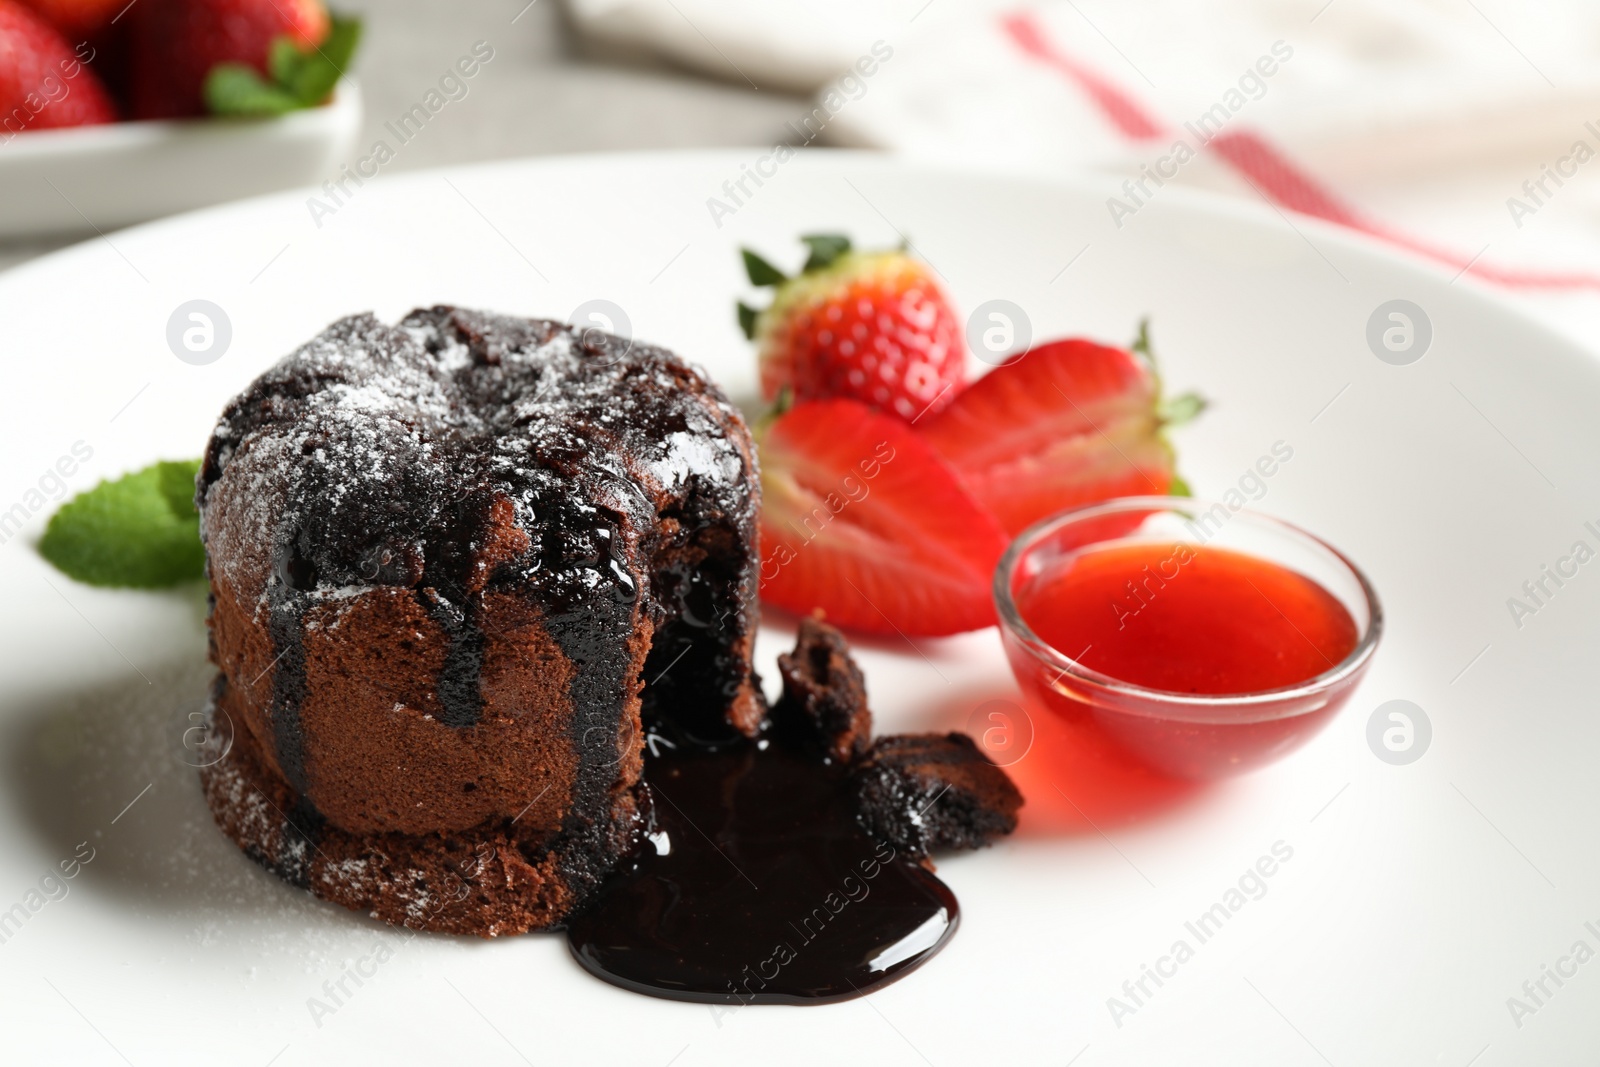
[(861, 518), (1067, 423)]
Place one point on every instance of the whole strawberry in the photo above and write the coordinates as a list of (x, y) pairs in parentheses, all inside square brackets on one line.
[(78, 19), (867, 326), (44, 84), (176, 43)]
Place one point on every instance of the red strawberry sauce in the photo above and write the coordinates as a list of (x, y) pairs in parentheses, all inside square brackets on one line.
[(1190, 619), (1183, 619)]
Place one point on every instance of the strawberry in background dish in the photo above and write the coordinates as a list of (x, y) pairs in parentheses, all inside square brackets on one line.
[(178, 43), (874, 327), (1067, 423), (98, 33), (44, 83), (862, 519), (78, 20)]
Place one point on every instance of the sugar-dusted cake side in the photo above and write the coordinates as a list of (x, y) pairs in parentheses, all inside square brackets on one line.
[(446, 557)]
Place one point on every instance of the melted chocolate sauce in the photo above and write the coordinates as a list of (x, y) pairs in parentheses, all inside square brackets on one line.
[(460, 678), (761, 887), (292, 573)]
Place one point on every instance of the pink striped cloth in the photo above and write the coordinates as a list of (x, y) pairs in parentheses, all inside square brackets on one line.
[(1258, 161), (1469, 119)]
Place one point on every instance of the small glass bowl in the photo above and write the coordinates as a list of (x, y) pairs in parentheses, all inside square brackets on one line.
[(1182, 735)]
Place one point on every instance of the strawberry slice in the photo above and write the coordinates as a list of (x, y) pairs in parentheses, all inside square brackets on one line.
[(1065, 424), (862, 519)]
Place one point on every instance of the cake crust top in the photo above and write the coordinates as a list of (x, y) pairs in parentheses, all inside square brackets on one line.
[(459, 449)]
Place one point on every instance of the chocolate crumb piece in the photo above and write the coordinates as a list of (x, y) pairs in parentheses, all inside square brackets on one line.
[(823, 708), (930, 792), (920, 792)]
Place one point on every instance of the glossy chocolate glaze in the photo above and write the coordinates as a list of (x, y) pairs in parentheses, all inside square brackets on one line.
[(761, 887)]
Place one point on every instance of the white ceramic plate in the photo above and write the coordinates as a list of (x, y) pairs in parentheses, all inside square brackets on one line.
[(1418, 898), (103, 177)]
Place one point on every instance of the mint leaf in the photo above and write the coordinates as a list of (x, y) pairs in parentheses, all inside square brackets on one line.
[(235, 89), (135, 531), (177, 484)]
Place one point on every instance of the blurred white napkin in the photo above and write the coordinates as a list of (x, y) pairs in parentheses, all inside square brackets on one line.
[(1370, 88), (1440, 108)]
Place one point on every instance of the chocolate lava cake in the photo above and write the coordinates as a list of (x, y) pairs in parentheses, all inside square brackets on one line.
[(455, 565)]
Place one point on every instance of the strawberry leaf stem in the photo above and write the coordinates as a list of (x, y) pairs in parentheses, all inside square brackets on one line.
[(760, 271), (1141, 343), (1181, 409), (298, 78), (826, 248), (747, 320), (1174, 411), (235, 89)]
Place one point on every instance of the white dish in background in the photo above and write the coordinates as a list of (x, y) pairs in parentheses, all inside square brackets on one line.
[(1417, 900), (106, 177)]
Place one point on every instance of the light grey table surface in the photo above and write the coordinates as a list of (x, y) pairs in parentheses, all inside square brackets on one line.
[(544, 92)]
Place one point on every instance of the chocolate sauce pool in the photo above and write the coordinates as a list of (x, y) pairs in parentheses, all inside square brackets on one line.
[(761, 888)]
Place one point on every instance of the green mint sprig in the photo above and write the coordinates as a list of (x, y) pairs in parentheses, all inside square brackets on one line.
[(300, 78), (139, 531)]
